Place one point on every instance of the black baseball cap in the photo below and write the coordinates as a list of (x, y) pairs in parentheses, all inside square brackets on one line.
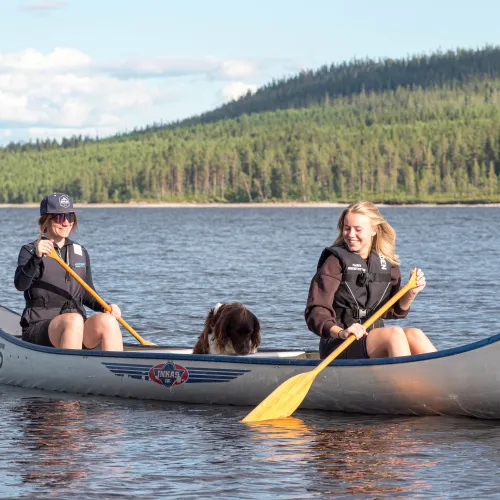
[(56, 203)]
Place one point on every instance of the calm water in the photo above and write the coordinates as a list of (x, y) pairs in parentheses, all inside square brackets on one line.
[(166, 268)]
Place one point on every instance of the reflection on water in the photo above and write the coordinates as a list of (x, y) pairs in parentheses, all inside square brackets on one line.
[(103, 446), (356, 459), (54, 435), (370, 460), (292, 434), (58, 441)]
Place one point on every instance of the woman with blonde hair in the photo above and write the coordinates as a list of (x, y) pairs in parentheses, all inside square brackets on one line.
[(355, 277), (54, 315)]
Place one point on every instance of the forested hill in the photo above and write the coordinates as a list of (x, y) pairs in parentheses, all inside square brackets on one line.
[(395, 146), (311, 88), (408, 144)]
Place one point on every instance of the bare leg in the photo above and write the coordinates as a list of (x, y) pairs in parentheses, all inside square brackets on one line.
[(387, 342), (103, 328), (417, 340), (66, 331)]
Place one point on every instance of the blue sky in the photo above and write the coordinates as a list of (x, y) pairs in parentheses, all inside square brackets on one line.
[(100, 67)]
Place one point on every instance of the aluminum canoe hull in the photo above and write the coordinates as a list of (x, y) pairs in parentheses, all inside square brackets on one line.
[(463, 381)]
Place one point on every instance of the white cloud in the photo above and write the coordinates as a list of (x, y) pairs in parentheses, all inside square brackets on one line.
[(43, 6), (66, 59), (170, 67), (236, 89), (62, 92), (5, 133), (237, 69), (14, 107), (59, 59), (66, 92)]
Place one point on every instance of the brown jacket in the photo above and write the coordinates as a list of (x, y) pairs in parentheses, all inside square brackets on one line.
[(319, 313)]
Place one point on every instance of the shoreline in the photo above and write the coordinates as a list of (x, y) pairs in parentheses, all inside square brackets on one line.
[(290, 204)]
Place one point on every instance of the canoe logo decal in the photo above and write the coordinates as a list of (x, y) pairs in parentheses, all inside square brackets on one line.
[(168, 374)]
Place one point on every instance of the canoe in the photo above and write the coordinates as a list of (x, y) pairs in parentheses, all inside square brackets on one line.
[(463, 381)]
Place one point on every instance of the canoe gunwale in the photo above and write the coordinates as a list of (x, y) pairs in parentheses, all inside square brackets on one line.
[(151, 353)]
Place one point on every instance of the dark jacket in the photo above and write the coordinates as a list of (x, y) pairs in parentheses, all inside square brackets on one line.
[(48, 289), (327, 298), (365, 285)]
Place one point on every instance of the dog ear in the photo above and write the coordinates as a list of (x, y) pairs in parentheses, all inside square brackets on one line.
[(256, 331), (210, 319), (201, 346), (219, 331), (209, 329)]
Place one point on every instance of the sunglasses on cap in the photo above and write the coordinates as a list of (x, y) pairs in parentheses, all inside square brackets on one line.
[(59, 218)]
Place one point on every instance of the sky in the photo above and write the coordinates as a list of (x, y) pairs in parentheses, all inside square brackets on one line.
[(102, 67)]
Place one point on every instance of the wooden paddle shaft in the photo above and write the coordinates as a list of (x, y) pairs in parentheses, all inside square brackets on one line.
[(91, 291), (412, 283)]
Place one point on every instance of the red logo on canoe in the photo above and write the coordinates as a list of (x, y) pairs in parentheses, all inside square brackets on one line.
[(168, 374)]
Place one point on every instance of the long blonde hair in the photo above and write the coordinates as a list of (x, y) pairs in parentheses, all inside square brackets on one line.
[(384, 241)]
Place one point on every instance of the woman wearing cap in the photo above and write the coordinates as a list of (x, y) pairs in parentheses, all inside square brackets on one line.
[(54, 315), (355, 276)]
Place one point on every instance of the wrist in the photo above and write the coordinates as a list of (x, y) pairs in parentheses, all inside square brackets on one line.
[(340, 334)]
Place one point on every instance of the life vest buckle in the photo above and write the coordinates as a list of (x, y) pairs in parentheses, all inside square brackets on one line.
[(358, 313)]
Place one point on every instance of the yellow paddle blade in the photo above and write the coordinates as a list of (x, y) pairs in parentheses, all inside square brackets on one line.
[(292, 392), (284, 400)]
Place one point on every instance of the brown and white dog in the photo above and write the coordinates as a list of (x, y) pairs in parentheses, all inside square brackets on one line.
[(229, 329)]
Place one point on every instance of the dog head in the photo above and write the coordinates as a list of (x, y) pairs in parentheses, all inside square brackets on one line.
[(232, 329)]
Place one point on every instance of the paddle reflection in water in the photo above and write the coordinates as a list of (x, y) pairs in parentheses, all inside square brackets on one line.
[(380, 459), (57, 442)]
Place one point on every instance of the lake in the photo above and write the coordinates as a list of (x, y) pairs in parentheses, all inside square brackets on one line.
[(165, 267)]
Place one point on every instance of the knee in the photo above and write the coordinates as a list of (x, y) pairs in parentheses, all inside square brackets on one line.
[(396, 335), (72, 321), (106, 321), (414, 334)]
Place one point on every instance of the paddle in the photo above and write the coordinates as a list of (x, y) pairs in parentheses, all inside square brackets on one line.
[(286, 398), (107, 307)]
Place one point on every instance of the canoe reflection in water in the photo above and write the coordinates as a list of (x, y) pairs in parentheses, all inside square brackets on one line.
[(58, 442), (378, 459)]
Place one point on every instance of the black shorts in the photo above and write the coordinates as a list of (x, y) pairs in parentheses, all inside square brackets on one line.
[(357, 350), (38, 333)]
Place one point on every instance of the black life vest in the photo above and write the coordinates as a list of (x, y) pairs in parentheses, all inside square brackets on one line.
[(364, 287), (55, 291)]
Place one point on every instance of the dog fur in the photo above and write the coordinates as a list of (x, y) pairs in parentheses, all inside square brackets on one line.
[(230, 329)]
